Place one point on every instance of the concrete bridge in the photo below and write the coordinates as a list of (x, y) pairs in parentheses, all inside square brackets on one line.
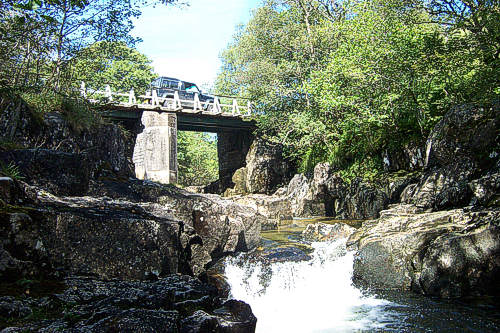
[(156, 121)]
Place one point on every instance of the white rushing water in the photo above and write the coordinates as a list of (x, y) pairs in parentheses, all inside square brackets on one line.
[(306, 296)]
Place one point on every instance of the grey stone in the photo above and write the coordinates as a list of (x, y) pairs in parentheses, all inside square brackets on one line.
[(323, 231), (175, 303), (448, 253), (486, 189), (266, 167), (6, 188), (155, 150)]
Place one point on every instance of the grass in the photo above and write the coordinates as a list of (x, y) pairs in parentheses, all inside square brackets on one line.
[(10, 170), (79, 113)]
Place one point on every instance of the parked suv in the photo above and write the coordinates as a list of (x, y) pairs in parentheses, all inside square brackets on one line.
[(166, 86)]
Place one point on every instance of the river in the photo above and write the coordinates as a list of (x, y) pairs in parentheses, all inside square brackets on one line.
[(294, 285)]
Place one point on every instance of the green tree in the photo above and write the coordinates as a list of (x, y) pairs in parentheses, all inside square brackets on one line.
[(113, 63), (346, 81), (70, 26), (197, 158)]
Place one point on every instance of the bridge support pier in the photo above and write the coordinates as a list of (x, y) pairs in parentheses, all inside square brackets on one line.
[(155, 151), (232, 149)]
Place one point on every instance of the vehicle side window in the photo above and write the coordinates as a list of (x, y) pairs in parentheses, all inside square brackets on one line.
[(156, 83), (171, 84), (164, 83)]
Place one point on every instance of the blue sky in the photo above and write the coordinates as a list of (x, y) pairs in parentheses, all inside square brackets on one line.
[(186, 42)]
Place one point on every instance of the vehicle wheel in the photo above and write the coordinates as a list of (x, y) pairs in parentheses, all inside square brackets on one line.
[(209, 107)]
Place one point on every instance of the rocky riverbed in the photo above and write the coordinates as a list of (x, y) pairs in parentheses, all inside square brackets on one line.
[(432, 228), (124, 254), (72, 213)]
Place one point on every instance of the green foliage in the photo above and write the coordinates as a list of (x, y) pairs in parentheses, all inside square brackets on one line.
[(10, 170), (41, 39), (79, 113), (113, 63), (197, 158), (343, 82)]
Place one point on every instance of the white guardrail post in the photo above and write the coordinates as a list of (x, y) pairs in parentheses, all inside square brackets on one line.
[(83, 90), (177, 101), (196, 103), (108, 94), (216, 109), (236, 108), (154, 98), (131, 97)]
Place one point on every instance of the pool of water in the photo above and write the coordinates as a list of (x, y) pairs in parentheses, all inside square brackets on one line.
[(294, 285)]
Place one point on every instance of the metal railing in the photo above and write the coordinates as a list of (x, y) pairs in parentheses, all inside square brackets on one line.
[(154, 102)]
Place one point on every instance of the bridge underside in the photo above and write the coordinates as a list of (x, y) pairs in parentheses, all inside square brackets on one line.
[(191, 121), (155, 151)]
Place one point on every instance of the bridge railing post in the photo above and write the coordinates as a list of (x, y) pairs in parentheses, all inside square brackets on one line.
[(83, 90), (236, 108), (131, 97), (108, 93), (154, 98), (196, 103), (217, 108), (177, 100)]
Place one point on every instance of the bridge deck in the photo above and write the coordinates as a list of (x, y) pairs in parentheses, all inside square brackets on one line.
[(187, 119)]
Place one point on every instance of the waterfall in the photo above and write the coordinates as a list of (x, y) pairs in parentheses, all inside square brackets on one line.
[(306, 296)]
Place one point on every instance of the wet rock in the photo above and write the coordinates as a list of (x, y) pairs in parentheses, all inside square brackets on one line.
[(236, 316), (175, 303), (12, 308), (219, 225), (284, 254), (448, 253), (322, 231)]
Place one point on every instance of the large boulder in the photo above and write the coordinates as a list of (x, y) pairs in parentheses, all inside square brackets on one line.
[(451, 253), (486, 190), (266, 168), (466, 133), (442, 188), (322, 231), (176, 303), (274, 208), (127, 230), (462, 147), (98, 237), (221, 225)]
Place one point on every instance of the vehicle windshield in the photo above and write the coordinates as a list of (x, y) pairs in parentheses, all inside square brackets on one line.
[(190, 87)]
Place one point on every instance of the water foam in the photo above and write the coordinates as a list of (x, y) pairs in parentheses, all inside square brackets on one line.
[(306, 296)]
